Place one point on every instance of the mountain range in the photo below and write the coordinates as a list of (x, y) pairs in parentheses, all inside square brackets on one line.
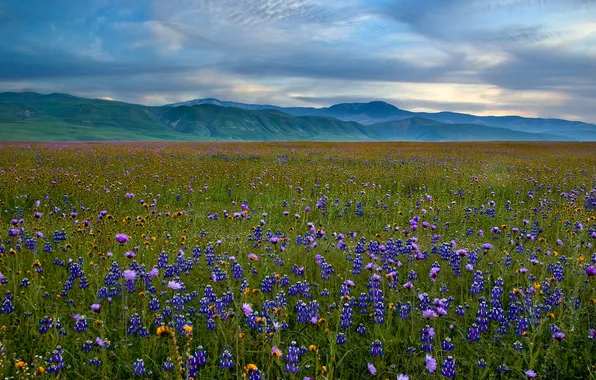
[(62, 117)]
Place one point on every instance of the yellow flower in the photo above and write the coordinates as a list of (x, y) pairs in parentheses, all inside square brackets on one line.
[(188, 330), (20, 365), (276, 351), (312, 348), (40, 370), (165, 331), (250, 367)]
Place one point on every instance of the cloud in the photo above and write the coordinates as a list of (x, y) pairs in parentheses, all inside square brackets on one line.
[(520, 56)]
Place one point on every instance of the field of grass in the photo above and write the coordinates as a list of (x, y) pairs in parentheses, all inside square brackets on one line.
[(298, 260)]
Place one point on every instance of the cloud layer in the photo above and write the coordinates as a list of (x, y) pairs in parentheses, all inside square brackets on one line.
[(527, 57)]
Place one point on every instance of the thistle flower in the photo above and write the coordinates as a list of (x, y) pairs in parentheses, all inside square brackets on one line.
[(122, 238), (247, 309), (431, 364), (372, 369), (129, 275)]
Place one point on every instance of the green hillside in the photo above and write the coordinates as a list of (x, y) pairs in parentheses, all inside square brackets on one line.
[(61, 117)]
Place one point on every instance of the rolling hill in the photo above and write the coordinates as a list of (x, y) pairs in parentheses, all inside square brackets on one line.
[(377, 112), (62, 117)]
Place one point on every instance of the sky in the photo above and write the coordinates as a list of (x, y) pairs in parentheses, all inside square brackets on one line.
[(534, 58)]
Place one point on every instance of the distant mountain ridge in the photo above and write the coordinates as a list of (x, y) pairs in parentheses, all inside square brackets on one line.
[(57, 117), (379, 111)]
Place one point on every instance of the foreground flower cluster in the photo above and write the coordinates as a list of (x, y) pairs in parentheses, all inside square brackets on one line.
[(298, 261)]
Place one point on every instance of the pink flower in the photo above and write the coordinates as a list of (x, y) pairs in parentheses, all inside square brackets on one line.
[(431, 364), (122, 238), (129, 275), (247, 309), (434, 272), (372, 369), (174, 285), (530, 374), (429, 314), (96, 307), (154, 272), (591, 270)]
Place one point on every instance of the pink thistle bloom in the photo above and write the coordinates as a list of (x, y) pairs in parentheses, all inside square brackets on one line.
[(429, 314), (247, 309), (372, 369), (431, 364), (122, 238), (129, 275)]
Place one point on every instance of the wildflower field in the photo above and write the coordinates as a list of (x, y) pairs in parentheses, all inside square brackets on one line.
[(298, 260)]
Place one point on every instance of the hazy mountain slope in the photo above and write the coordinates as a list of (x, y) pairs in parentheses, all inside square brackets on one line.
[(31, 116), (377, 111), (419, 129)]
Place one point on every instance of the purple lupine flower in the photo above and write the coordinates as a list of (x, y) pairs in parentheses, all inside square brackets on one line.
[(138, 368), (448, 369)]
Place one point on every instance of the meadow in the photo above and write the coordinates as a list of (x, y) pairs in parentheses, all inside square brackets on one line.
[(298, 260)]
